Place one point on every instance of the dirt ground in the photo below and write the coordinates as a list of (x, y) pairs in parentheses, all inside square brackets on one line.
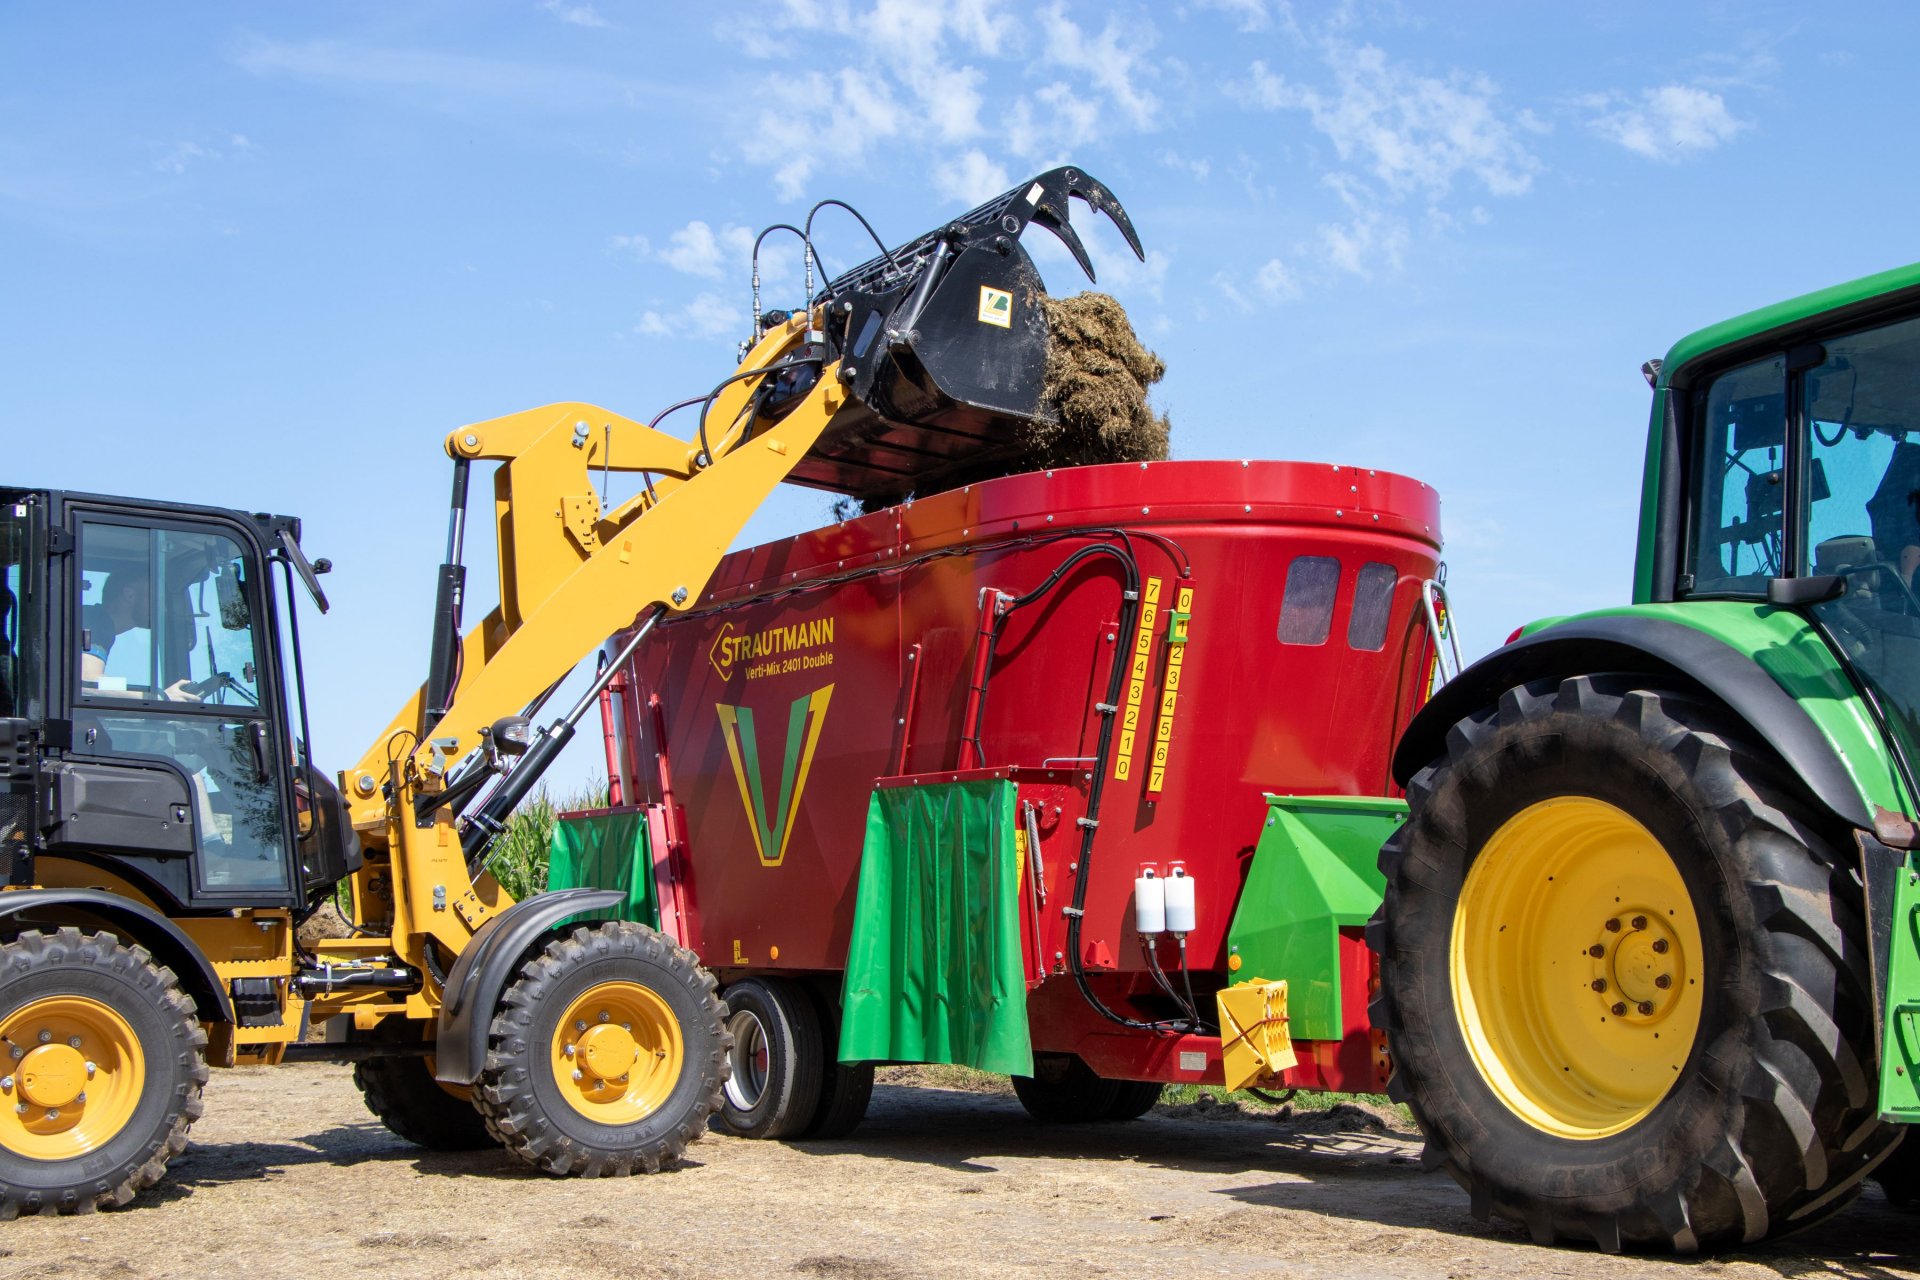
[(289, 1177)]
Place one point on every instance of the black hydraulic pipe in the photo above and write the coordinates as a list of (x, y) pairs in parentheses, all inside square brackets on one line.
[(443, 659), (330, 978)]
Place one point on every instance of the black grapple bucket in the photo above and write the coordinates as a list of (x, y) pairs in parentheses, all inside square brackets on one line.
[(946, 343)]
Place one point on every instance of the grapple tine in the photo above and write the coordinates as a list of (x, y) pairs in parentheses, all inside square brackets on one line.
[(1098, 197), (1057, 223)]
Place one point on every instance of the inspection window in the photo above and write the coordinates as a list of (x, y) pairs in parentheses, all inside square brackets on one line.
[(1306, 610), (1372, 605)]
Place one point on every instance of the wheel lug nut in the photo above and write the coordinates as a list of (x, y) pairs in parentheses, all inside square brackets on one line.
[(1660, 946), (53, 1114), (6, 1082), (579, 1075), (18, 1053), (580, 1025), (568, 1051), (91, 1068), (1639, 922), (1646, 1007), (603, 1016), (74, 1042), (1664, 981), (46, 1036), (1619, 1010), (1596, 951), (626, 1026), (21, 1108), (80, 1097), (1613, 926), (1599, 984)]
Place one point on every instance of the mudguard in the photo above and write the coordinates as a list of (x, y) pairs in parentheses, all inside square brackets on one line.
[(1656, 647), (140, 924), (482, 971)]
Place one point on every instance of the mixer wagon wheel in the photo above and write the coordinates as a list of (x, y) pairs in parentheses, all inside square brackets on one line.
[(777, 1059), (1624, 975), (1133, 1099), (101, 1067), (846, 1088), (1064, 1090), (403, 1095), (606, 1055)]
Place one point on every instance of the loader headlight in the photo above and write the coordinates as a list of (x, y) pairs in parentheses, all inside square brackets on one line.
[(512, 735)]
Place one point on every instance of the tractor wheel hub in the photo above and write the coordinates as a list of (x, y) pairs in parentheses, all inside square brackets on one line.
[(52, 1075)]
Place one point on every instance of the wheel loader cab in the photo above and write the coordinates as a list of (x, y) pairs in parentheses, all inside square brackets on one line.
[(149, 669)]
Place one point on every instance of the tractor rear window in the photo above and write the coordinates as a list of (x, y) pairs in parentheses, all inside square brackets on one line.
[(1306, 610), (14, 650), (1372, 604)]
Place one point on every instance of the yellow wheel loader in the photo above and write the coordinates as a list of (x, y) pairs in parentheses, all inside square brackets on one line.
[(164, 831)]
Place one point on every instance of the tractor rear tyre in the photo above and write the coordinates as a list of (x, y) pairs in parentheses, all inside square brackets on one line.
[(606, 1055), (846, 1088), (403, 1095), (1624, 975), (104, 1058), (777, 1059), (1064, 1090)]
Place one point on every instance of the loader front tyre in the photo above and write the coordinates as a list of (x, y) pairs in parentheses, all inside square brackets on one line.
[(104, 1061), (403, 1095), (777, 1060), (606, 1055), (1624, 975)]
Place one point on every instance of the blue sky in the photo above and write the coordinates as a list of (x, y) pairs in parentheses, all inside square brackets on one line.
[(267, 256)]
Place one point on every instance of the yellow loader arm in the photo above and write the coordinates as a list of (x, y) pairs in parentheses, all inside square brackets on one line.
[(570, 575)]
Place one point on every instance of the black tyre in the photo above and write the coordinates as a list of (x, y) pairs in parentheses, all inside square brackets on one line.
[(846, 1088), (104, 1058), (402, 1093), (606, 1055), (1133, 1099), (1899, 1174), (777, 1059), (1624, 975), (1064, 1090)]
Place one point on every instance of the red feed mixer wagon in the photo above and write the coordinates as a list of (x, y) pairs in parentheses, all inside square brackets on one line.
[(1076, 775)]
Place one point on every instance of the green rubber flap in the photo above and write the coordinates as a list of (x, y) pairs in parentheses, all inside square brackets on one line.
[(934, 969), (606, 851), (1900, 1036), (1315, 871)]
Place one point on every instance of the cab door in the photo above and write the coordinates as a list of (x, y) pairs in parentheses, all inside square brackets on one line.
[(178, 769)]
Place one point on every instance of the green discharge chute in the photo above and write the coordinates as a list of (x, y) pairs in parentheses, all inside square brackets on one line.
[(606, 851), (934, 966)]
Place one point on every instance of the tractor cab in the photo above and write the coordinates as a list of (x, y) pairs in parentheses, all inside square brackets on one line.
[(152, 720), (1804, 489)]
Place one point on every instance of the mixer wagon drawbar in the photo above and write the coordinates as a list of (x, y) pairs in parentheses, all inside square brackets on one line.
[(1040, 775)]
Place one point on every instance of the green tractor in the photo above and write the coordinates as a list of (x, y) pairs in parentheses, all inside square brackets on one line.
[(1649, 964)]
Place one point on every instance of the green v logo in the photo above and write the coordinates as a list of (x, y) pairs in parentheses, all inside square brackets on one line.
[(773, 827)]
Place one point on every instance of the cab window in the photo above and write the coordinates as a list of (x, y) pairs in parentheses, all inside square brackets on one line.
[(1738, 506)]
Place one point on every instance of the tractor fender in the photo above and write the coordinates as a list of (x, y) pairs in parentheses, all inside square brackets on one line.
[(1656, 647), (139, 924), (483, 969)]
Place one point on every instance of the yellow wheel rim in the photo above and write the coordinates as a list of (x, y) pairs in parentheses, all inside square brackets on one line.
[(617, 1053), (73, 1076), (1576, 965)]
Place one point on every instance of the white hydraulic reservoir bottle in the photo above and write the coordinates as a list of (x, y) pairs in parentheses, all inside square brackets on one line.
[(1179, 897), (1149, 903)]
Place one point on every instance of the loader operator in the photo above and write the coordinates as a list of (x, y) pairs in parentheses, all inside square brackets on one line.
[(126, 604)]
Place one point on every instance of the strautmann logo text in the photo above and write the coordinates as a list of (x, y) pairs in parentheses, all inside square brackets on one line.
[(800, 646)]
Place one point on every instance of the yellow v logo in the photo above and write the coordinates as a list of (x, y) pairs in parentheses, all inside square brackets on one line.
[(772, 828)]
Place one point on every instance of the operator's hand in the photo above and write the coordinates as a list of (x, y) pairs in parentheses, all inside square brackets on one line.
[(179, 692)]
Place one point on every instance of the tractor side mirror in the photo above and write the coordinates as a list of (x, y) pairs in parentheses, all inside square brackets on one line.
[(1817, 589)]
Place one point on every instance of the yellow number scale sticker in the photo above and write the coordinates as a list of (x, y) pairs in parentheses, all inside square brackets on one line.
[(1170, 689), (1139, 663)]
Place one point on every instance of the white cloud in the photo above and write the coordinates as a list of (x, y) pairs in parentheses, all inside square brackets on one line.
[(1114, 61), (1365, 242), (1275, 282), (708, 315), (698, 250), (1199, 166), (638, 247), (1415, 134), (579, 15), (179, 157), (1669, 123), (971, 178), (1252, 14)]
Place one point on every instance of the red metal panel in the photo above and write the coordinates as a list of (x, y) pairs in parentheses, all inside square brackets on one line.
[(881, 613)]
